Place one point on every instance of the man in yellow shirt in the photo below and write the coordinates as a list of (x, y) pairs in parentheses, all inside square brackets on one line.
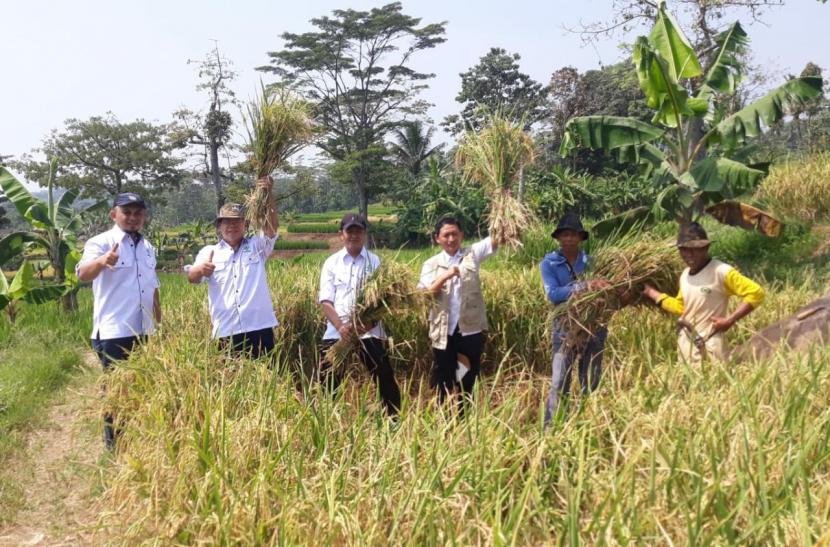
[(703, 298)]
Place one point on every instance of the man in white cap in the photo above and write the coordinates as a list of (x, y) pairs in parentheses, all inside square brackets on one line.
[(240, 303), (121, 264)]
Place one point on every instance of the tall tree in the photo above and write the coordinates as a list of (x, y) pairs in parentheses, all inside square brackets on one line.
[(210, 131), (496, 85), (356, 67), (412, 146), (102, 157)]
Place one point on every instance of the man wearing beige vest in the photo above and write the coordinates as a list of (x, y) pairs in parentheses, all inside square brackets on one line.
[(703, 298), (458, 317)]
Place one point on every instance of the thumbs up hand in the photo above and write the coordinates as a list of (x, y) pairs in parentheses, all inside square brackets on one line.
[(208, 267), (110, 258)]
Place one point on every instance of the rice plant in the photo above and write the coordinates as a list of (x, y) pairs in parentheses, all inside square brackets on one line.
[(496, 157), (278, 125)]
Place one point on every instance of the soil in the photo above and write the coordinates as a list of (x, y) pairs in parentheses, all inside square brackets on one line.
[(59, 470)]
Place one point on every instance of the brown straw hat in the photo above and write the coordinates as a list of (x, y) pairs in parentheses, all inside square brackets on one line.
[(692, 236), (231, 210)]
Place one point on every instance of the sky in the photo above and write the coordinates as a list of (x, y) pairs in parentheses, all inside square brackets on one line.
[(81, 58)]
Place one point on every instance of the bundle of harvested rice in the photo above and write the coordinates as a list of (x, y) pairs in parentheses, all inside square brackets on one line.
[(627, 263), (389, 289), (278, 125), (495, 157)]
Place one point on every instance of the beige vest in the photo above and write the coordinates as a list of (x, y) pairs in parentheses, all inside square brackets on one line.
[(704, 297), (473, 314)]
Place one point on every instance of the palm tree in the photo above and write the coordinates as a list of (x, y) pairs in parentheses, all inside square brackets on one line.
[(412, 146)]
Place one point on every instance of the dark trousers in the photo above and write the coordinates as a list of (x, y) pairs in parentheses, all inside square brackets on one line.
[(253, 344), (109, 351), (374, 357), (446, 361)]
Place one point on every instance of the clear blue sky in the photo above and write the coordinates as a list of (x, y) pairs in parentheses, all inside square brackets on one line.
[(80, 58)]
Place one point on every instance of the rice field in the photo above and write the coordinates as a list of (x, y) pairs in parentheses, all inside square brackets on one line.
[(240, 452), (243, 453)]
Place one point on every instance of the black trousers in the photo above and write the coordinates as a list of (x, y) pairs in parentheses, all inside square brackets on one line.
[(446, 361), (109, 351), (375, 358), (253, 344)]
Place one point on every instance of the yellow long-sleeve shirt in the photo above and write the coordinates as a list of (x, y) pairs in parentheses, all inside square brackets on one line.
[(705, 295)]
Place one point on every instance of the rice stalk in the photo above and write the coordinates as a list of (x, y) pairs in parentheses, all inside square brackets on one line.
[(278, 125), (495, 158), (627, 263), (388, 290)]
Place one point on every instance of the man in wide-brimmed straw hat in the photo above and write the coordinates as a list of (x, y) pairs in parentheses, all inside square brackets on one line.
[(562, 272), (702, 300), (238, 297)]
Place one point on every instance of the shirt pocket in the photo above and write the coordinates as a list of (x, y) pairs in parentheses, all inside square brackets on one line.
[(150, 260), (250, 260)]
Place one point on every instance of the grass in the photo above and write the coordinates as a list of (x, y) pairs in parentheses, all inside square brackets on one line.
[(235, 452), (37, 358), (799, 189), (313, 228), (296, 244), (225, 452)]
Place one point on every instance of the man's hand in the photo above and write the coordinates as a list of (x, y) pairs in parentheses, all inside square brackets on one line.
[(265, 182), (454, 271), (208, 267), (721, 324), (344, 330), (110, 258), (598, 285), (651, 292)]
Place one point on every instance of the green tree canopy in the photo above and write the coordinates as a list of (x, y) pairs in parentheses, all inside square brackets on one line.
[(356, 67), (101, 157), (496, 85)]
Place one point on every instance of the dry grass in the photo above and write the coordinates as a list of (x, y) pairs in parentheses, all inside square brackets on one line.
[(278, 125), (799, 190), (496, 157)]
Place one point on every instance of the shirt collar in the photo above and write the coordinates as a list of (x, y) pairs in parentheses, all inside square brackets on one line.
[(345, 257), (121, 234)]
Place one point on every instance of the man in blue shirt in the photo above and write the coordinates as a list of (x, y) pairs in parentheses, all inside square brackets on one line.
[(561, 275)]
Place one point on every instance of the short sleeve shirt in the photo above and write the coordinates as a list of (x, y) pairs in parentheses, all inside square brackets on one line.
[(123, 295), (238, 294)]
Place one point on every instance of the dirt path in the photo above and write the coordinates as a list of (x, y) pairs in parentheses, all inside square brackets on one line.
[(60, 468)]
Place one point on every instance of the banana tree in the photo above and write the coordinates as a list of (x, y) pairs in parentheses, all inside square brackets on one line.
[(24, 287), (55, 224), (691, 147)]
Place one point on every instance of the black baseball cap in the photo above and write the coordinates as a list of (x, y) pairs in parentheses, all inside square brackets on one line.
[(129, 198), (351, 219)]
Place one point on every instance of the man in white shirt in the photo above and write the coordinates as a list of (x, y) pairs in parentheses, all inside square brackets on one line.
[(240, 303), (341, 279), (122, 267), (458, 315)]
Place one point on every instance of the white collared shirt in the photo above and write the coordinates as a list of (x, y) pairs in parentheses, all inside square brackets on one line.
[(123, 296), (238, 295), (480, 251), (341, 279)]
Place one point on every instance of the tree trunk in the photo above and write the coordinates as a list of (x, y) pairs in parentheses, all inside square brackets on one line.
[(360, 182), (216, 174)]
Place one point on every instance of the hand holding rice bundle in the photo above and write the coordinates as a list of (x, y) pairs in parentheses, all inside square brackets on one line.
[(278, 125), (496, 157), (390, 289), (624, 264)]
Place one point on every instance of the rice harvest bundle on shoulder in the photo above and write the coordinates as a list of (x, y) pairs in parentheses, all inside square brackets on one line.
[(278, 124), (627, 264), (495, 157), (389, 289)]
